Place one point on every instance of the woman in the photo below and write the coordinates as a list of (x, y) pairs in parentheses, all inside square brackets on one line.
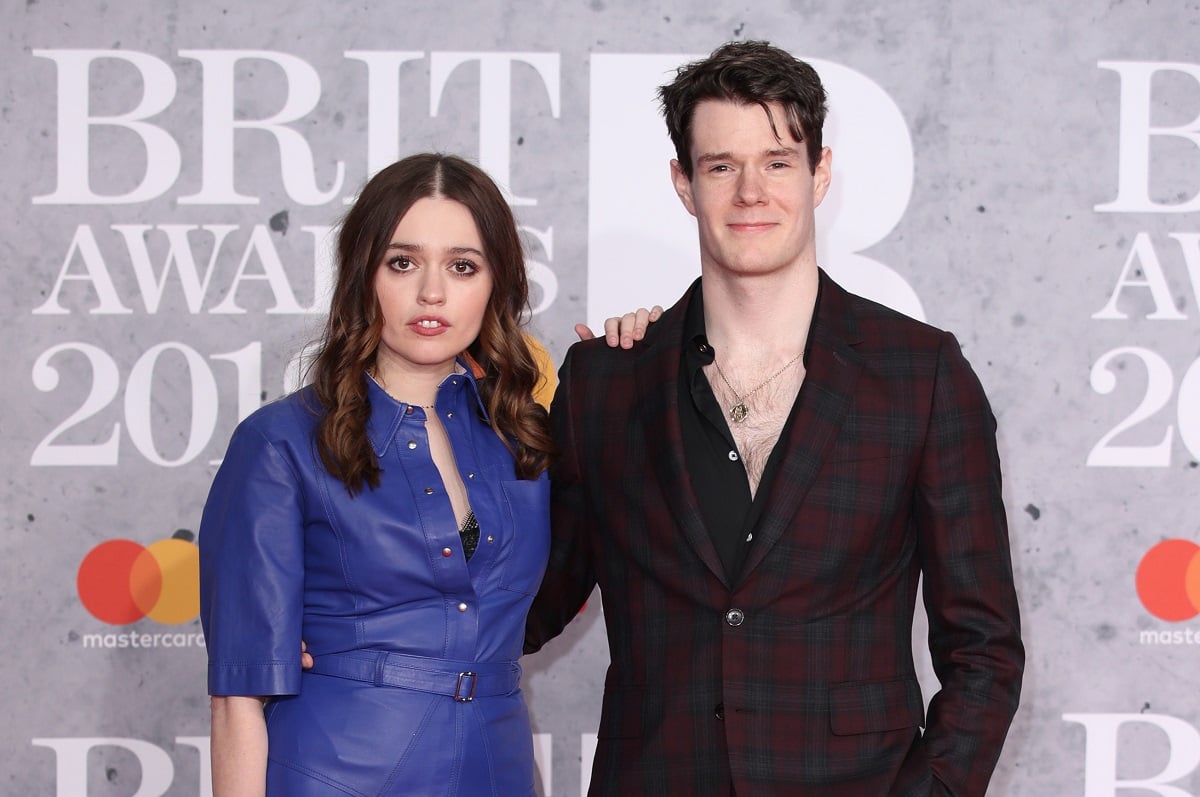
[(394, 514)]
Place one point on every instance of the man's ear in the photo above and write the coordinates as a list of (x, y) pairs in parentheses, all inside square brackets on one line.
[(822, 175), (683, 186)]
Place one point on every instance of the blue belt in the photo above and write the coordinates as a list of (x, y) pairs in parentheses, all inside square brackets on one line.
[(462, 680)]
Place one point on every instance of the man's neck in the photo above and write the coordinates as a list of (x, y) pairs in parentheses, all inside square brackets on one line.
[(759, 317)]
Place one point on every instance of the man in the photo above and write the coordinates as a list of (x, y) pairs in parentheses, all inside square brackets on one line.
[(758, 486)]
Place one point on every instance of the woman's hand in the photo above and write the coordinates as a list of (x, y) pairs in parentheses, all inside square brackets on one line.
[(625, 330)]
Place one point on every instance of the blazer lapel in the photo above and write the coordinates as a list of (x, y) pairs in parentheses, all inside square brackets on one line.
[(824, 399), (657, 375)]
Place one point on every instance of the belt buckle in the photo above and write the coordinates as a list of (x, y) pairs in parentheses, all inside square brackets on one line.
[(458, 690)]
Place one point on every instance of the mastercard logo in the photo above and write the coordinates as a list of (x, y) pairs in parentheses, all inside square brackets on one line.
[(121, 581), (1168, 580)]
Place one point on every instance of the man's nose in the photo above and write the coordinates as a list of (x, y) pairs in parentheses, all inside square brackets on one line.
[(750, 189)]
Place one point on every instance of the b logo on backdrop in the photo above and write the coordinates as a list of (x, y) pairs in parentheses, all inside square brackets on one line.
[(633, 261), (1166, 419)]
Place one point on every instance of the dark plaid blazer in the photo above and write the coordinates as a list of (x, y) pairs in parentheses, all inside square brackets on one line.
[(797, 678)]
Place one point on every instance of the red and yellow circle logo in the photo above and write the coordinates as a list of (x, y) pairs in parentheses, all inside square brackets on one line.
[(1168, 580), (120, 581)]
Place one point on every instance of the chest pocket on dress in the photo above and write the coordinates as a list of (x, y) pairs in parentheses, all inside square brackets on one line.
[(527, 504)]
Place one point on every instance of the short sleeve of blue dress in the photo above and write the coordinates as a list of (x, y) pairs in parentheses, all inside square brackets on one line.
[(252, 567)]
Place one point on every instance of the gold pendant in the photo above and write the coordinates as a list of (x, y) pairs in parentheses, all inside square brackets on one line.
[(738, 412)]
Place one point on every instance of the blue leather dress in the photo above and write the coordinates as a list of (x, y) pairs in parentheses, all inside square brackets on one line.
[(416, 687)]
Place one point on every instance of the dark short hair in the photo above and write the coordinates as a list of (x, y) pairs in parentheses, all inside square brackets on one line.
[(746, 72)]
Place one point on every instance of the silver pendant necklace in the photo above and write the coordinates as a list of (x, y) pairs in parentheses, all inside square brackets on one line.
[(739, 411)]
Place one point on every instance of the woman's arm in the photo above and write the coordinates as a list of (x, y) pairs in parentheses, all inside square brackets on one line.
[(251, 593), (625, 330), (239, 747)]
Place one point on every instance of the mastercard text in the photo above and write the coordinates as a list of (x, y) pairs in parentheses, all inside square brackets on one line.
[(135, 639)]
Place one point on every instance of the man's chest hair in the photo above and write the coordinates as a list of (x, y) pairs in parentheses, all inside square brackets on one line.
[(757, 434)]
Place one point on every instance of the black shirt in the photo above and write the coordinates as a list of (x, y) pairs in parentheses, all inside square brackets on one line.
[(718, 477)]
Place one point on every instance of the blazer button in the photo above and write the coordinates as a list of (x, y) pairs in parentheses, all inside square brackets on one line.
[(720, 711), (735, 617)]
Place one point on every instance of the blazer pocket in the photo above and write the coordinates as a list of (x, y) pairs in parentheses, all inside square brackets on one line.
[(528, 506), (875, 706)]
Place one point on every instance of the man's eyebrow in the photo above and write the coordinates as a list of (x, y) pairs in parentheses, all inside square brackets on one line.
[(781, 152)]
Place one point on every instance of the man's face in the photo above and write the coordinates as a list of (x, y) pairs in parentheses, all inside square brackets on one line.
[(752, 193)]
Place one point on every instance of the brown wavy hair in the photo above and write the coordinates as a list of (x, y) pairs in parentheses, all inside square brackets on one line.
[(746, 72), (506, 372)]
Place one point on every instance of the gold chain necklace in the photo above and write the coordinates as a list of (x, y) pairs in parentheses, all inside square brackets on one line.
[(739, 411)]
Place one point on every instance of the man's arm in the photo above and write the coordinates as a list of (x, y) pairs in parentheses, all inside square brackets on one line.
[(974, 625), (570, 573)]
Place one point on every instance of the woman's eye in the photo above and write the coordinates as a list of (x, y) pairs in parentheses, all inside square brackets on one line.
[(400, 263), (463, 267)]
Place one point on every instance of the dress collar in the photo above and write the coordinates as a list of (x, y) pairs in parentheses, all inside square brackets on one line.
[(387, 414)]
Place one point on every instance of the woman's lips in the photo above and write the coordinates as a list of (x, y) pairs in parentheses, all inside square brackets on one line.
[(429, 327)]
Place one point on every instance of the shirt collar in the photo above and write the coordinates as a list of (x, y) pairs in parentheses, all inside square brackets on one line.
[(387, 414), (695, 336)]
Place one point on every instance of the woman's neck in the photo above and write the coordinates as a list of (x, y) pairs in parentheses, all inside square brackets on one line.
[(412, 385)]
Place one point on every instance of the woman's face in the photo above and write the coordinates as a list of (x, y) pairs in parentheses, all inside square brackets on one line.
[(433, 286)]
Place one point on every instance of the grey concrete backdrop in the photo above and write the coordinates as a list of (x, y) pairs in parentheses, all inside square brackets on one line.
[(1016, 135)]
